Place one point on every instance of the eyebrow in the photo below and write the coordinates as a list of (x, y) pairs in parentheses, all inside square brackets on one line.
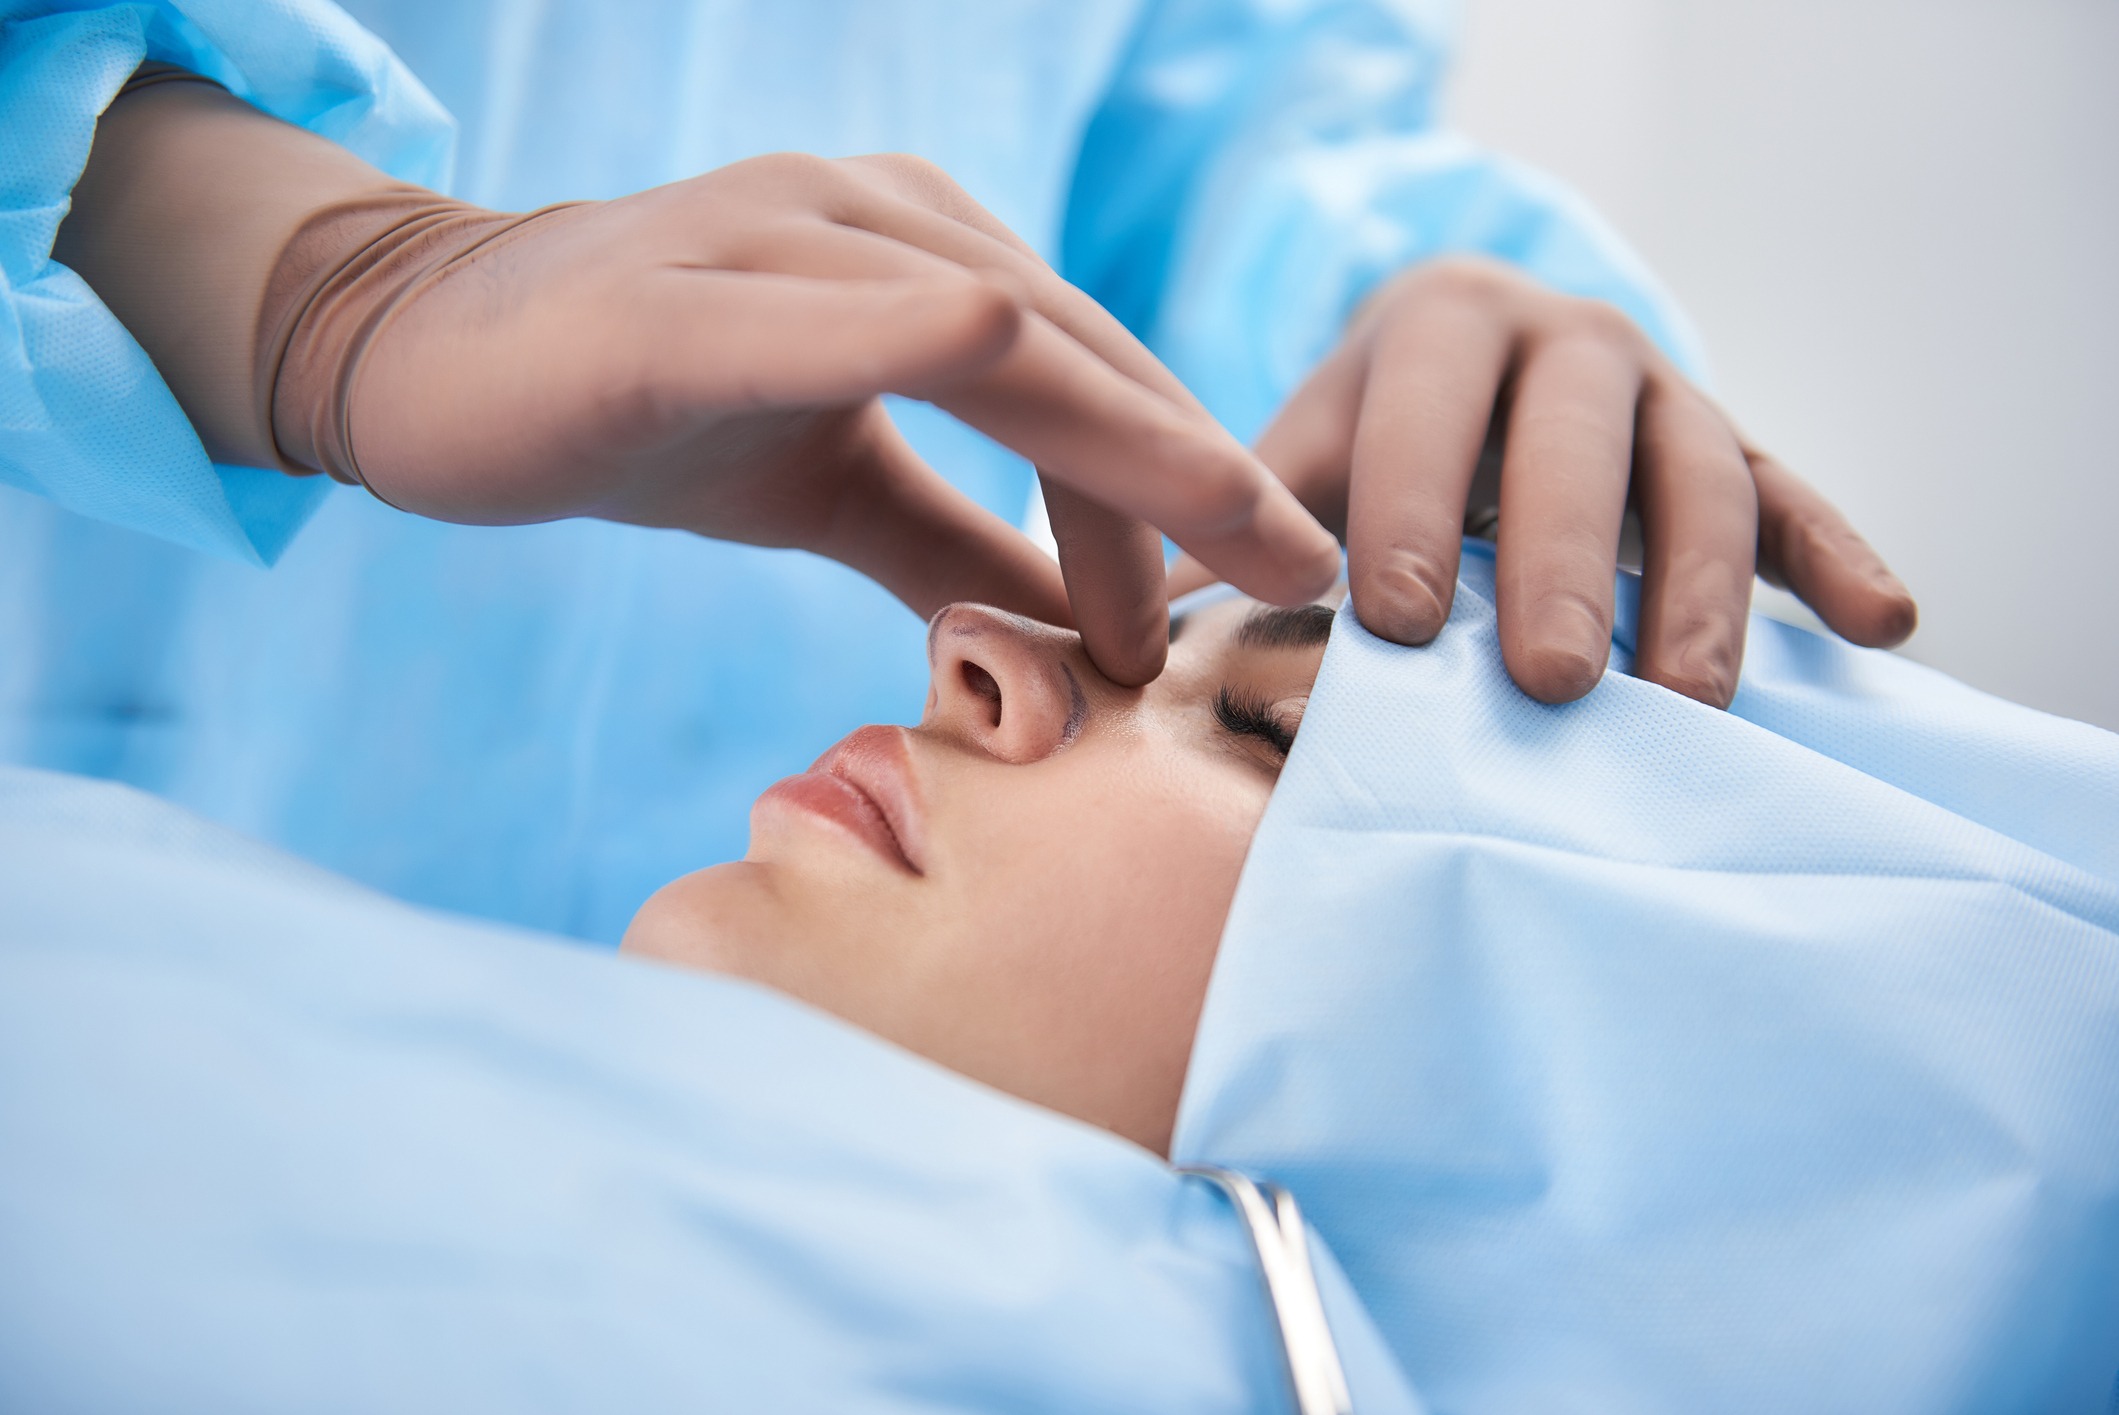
[(1300, 626)]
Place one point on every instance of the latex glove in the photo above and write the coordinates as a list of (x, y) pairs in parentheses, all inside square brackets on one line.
[(706, 355), (1578, 416)]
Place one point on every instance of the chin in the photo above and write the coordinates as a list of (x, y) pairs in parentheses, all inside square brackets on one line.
[(690, 920)]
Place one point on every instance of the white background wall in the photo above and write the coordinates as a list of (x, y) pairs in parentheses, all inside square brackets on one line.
[(1897, 225)]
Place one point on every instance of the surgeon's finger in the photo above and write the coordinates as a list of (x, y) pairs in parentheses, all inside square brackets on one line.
[(1564, 477), (929, 187), (903, 525), (825, 250), (1433, 379), (934, 214), (1087, 426), (937, 216), (1085, 423), (1699, 530), (1805, 544), (1113, 566), (810, 342)]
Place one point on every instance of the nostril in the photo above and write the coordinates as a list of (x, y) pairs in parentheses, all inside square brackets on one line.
[(983, 685)]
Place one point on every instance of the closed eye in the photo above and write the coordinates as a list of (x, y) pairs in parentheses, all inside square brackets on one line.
[(1247, 717)]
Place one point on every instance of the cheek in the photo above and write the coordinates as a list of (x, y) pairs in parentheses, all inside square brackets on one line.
[(1130, 865), (1093, 914)]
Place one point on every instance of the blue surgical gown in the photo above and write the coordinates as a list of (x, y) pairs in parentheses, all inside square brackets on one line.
[(542, 725)]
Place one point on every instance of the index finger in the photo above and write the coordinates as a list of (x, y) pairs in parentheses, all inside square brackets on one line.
[(1113, 568), (1089, 427), (1098, 432), (1260, 523), (935, 214)]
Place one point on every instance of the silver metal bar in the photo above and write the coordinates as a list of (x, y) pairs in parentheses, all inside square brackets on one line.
[(1274, 1221)]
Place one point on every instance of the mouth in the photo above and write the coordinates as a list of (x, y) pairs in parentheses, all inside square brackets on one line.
[(865, 786)]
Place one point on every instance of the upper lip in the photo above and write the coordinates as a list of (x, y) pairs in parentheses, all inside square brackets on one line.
[(877, 762)]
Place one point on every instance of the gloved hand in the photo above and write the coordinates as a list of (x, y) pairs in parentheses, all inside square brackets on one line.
[(1462, 357), (706, 355)]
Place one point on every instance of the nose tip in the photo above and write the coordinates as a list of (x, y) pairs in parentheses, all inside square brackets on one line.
[(1003, 683)]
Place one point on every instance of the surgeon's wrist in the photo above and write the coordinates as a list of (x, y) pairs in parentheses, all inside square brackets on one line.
[(182, 219), (345, 271)]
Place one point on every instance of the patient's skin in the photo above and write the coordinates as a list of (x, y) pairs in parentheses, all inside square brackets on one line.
[(1030, 885)]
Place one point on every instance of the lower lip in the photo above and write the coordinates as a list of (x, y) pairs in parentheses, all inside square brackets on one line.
[(838, 803)]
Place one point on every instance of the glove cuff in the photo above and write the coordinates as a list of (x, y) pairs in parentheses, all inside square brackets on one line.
[(339, 281)]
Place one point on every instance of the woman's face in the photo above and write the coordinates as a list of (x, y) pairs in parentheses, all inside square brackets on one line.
[(1029, 886)]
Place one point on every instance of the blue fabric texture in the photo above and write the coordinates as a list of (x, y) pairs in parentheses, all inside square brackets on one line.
[(274, 1142), (544, 725), (1638, 1057), (84, 418), (1256, 168)]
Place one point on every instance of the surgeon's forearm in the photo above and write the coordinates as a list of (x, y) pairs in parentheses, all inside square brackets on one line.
[(185, 224)]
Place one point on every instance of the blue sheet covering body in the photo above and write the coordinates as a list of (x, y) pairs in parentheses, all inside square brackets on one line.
[(1629, 1056), (543, 725), (271, 1142), (1638, 1057)]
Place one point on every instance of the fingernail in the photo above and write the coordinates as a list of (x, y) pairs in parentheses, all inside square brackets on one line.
[(1889, 583), (1561, 675), (1398, 600), (1569, 642), (1899, 620)]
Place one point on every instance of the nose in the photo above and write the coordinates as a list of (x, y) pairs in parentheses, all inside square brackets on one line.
[(1003, 683)]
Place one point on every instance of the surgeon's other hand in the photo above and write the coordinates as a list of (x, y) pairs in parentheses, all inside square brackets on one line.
[(706, 355), (1465, 357)]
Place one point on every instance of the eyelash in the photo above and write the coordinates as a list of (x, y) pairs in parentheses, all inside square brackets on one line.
[(1251, 719)]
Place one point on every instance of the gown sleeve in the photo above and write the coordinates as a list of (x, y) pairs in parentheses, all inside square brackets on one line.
[(1257, 166), (85, 420)]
